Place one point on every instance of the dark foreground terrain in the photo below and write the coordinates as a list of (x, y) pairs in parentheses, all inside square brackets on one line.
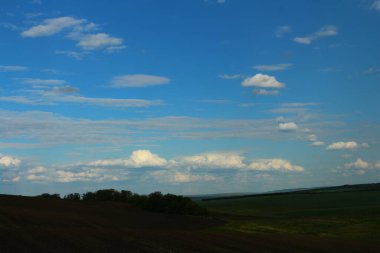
[(47, 225)]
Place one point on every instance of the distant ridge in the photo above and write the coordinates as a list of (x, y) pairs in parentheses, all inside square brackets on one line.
[(328, 189)]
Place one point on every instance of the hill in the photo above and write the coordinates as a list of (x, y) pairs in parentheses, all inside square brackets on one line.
[(345, 221)]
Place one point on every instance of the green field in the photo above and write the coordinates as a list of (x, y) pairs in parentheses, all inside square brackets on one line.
[(326, 212)]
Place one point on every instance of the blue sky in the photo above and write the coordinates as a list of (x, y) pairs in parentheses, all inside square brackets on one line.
[(189, 96)]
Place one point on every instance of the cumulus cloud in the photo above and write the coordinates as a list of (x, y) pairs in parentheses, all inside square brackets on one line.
[(138, 159), (343, 145), (274, 164), (328, 30), (9, 161), (359, 163), (127, 81), (51, 26), (287, 127), (212, 160), (281, 31), (262, 81), (13, 68), (275, 67)]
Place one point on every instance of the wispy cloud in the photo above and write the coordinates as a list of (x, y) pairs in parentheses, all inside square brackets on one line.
[(79, 55), (79, 30), (264, 92), (13, 68), (275, 67), (299, 104), (129, 81), (36, 81), (376, 5), (52, 26), (328, 30), (235, 76), (281, 31), (100, 40)]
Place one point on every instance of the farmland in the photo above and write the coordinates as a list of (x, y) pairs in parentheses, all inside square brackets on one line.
[(330, 212), (316, 221)]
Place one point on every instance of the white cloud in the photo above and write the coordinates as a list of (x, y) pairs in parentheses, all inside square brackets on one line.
[(177, 177), (99, 40), (23, 100), (343, 145), (73, 54), (328, 30), (41, 81), (210, 160), (264, 92), (364, 145), (318, 143), (287, 127), (78, 30), (225, 76), (9, 161), (114, 49), (359, 163), (377, 165), (62, 95), (312, 137), (68, 176), (36, 177), (299, 104), (282, 30), (262, 81), (138, 159), (51, 26), (221, 1), (274, 164), (13, 68), (38, 169), (180, 177), (115, 102), (275, 67), (138, 81), (376, 5)]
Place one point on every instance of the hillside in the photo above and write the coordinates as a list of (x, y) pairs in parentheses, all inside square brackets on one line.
[(278, 223)]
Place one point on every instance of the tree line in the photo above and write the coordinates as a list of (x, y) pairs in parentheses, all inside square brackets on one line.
[(156, 201)]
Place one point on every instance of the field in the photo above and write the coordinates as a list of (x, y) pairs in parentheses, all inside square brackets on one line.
[(319, 221), (334, 213)]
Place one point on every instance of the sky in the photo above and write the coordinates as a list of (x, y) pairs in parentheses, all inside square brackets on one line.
[(188, 97)]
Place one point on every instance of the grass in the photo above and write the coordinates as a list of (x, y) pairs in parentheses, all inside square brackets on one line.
[(343, 214)]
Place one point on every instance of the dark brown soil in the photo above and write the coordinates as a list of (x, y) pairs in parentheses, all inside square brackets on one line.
[(48, 225)]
